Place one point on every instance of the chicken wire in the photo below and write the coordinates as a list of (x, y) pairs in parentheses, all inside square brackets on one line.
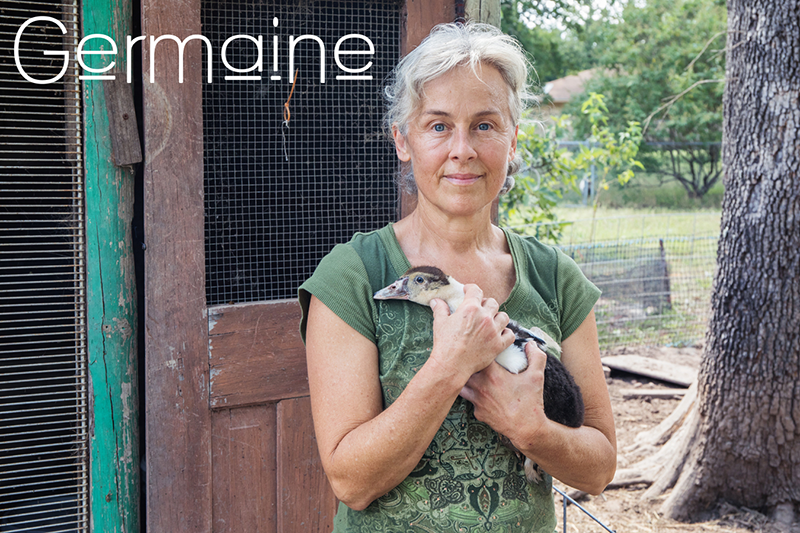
[(43, 378), (655, 273), (280, 194)]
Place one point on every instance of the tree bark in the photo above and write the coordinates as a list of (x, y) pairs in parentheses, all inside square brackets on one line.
[(747, 449)]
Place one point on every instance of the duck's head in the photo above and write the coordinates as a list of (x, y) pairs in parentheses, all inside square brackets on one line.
[(423, 284)]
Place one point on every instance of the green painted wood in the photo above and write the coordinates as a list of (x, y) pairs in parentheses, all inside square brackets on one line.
[(111, 291)]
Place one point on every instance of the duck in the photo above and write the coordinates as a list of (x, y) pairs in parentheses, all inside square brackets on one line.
[(563, 401)]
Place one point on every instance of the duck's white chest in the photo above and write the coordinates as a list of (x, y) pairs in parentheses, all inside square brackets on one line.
[(513, 359)]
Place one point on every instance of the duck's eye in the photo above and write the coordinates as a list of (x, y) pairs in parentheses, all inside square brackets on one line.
[(419, 279)]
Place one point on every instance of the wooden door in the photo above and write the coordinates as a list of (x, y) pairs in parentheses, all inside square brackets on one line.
[(266, 474), (229, 438)]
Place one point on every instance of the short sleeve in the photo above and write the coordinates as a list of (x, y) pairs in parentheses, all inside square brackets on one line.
[(576, 294), (342, 284)]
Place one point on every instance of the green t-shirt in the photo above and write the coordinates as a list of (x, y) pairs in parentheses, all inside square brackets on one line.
[(467, 480)]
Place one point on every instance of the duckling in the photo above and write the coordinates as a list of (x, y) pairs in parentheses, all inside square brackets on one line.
[(563, 402)]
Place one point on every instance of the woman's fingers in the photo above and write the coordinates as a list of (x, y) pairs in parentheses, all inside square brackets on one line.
[(440, 308), (470, 338), (537, 359), (501, 319), (472, 291), (509, 401)]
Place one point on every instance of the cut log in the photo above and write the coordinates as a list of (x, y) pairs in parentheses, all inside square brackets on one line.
[(652, 393), (652, 368)]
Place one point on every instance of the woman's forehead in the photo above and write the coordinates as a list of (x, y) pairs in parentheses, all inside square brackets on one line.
[(481, 92), (484, 78)]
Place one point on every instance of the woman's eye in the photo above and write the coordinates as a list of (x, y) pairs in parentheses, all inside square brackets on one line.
[(438, 128), (484, 127)]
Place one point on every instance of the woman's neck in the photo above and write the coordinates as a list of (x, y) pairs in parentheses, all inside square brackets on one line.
[(471, 250), (424, 234)]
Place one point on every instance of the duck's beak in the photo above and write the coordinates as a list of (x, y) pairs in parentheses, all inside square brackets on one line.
[(396, 291)]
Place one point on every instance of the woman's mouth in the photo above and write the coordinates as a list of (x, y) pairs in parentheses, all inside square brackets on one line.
[(462, 179)]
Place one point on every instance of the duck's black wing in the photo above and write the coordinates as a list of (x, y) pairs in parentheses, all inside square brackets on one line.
[(563, 401)]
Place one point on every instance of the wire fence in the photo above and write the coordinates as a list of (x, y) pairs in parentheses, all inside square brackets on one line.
[(655, 271), (566, 500)]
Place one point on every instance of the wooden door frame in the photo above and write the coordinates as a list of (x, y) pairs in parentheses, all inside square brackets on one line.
[(178, 446)]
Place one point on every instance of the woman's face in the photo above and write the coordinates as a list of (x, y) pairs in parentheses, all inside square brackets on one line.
[(460, 141)]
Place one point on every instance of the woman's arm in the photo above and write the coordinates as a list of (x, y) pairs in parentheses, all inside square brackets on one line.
[(365, 450), (584, 457)]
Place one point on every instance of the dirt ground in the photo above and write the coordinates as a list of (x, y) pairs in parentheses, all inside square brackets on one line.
[(623, 510)]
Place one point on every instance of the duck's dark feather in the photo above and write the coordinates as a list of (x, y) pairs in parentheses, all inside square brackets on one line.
[(524, 335)]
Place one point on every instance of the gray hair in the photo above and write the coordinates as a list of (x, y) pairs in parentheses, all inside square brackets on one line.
[(449, 46)]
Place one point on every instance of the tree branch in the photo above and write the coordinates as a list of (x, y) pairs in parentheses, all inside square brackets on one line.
[(703, 51), (674, 99)]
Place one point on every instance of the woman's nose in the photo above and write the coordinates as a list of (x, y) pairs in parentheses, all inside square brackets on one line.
[(461, 146)]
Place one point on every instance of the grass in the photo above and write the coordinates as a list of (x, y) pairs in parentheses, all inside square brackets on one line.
[(673, 328), (619, 246)]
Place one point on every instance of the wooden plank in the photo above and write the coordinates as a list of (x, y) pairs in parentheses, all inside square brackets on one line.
[(487, 11), (420, 16), (652, 368), (256, 354), (245, 465), (178, 446), (125, 145), (307, 502), (110, 295), (652, 393)]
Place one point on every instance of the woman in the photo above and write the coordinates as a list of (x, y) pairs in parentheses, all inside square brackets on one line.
[(407, 402)]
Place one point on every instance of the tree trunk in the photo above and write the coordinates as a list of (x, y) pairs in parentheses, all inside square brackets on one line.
[(747, 445)]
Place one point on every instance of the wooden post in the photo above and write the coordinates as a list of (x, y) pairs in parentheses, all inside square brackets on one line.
[(178, 419), (111, 291)]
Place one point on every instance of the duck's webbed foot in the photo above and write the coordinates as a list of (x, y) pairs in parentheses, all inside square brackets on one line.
[(533, 473)]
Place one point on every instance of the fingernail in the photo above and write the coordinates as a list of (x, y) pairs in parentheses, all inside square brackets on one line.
[(433, 303)]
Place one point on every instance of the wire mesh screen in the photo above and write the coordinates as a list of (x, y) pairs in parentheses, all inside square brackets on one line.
[(285, 183), (655, 272), (43, 383)]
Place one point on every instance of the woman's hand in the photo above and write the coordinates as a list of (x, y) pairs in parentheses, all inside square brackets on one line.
[(508, 402), (467, 341), (512, 405)]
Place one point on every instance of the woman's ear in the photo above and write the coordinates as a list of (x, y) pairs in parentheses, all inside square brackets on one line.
[(513, 151), (400, 145)]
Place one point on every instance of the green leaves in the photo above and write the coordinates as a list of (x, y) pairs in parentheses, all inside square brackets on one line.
[(551, 168), (659, 50), (612, 153), (561, 36)]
